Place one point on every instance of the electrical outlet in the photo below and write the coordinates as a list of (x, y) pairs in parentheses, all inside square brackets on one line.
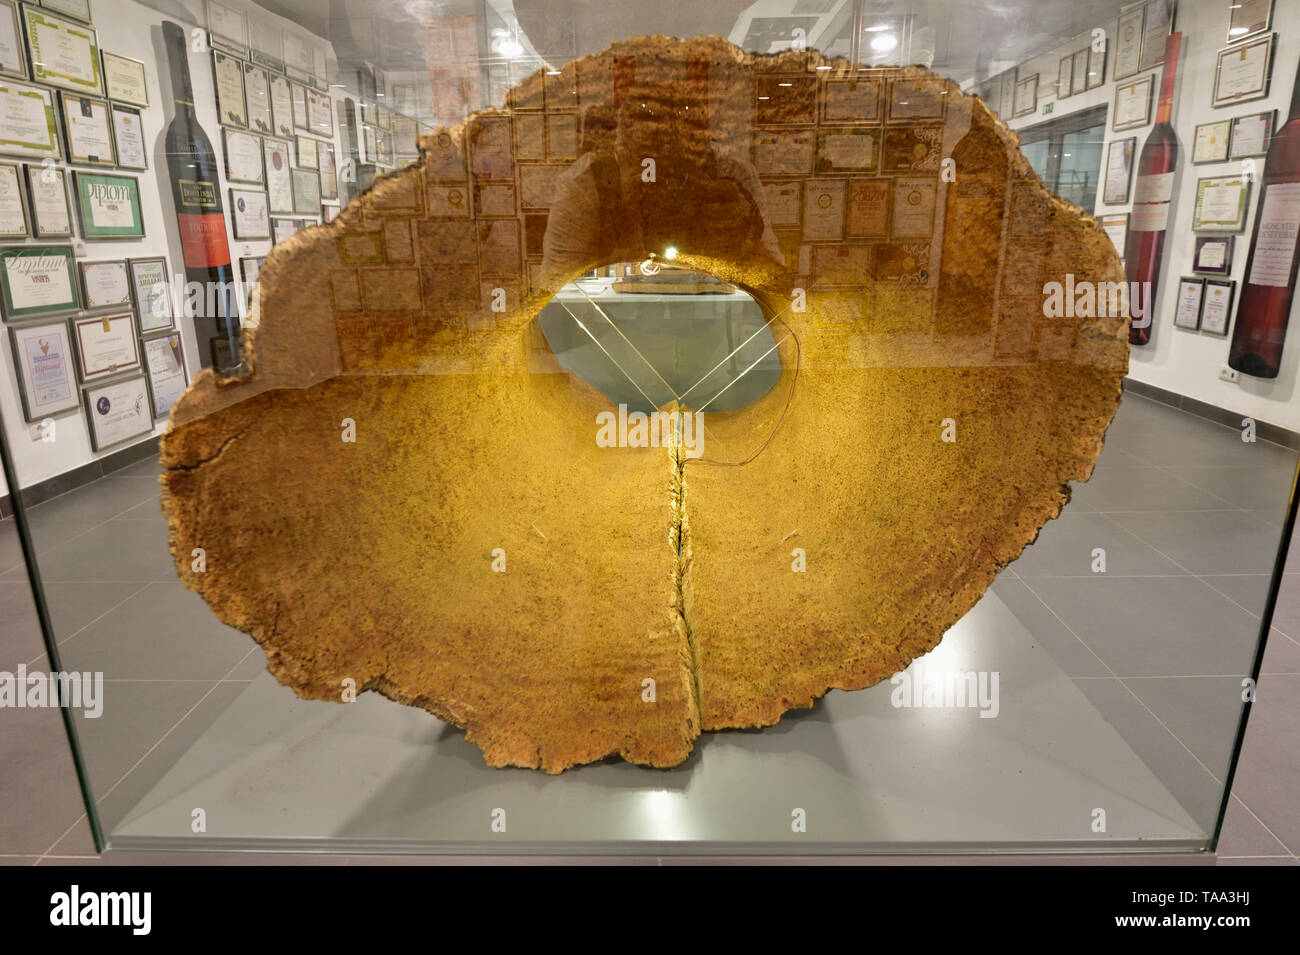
[(1229, 374)]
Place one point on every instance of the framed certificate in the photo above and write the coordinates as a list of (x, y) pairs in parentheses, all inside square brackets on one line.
[(329, 178), (228, 77), (1187, 313), (307, 155), (1064, 77), (1210, 142), (227, 28), (1026, 96), (1116, 229), (64, 53), (266, 43), (1119, 170), (298, 60), (250, 267), (282, 229), (104, 284), (243, 157), (13, 61), (109, 206), (47, 187), (1128, 43), (124, 79), (281, 105), (1241, 72), (152, 294), (1154, 32), (87, 130), (43, 357), (1220, 204), (27, 123), (1248, 18), (128, 137), (279, 182), (77, 9), (319, 67), (164, 363), (306, 192), (106, 345), (257, 94), (248, 209), (1216, 305), (37, 281), (13, 214), (1096, 67), (1007, 93), (301, 119), (1251, 134), (117, 411), (1079, 83), (1132, 105), (320, 115), (406, 136), (1213, 254)]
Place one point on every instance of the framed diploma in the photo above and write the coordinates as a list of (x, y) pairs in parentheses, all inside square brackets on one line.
[(228, 77), (1213, 254), (298, 94), (306, 192), (370, 144), (124, 79), (319, 115), (1210, 142), (1119, 171), (248, 209), (37, 281), (63, 53), (106, 345), (1007, 94), (1187, 313), (87, 130), (13, 214), (1220, 204), (1132, 105), (282, 229), (267, 44), (104, 284), (128, 137), (47, 187), (227, 28), (1216, 305), (1116, 229), (77, 9), (848, 150), (914, 201), (47, 382), (27, 123), (1154, 31), (1026, 96), (298, 60), (250, 267), (1096, 67), (331, 212), (1079, 83), (1128, 42), (109, 206), (243, 157), (13, 61), (164, 363), (308, 158), (281, 105), (851, 100), (257, 94), (406, 135), (329, 176), (1064, 77), (319, 68), (1241, 72), (1251, 134), (117, 411), (1248, 18), (152, 294), (279, 182)]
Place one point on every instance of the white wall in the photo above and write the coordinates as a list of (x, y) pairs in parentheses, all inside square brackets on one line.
[(1188, 363)]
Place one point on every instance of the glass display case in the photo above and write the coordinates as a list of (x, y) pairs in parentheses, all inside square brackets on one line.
[(799, 426)]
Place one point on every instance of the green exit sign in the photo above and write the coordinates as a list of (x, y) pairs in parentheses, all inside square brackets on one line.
[(1048, 107)]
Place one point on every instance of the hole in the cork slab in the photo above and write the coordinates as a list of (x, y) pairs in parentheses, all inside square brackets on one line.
[(675, 333)]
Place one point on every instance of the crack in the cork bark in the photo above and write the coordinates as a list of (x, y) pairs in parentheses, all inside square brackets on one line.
[(215, 455), (680, 536)]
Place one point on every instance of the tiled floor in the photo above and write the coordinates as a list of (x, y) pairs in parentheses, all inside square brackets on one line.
[(1187, 514)]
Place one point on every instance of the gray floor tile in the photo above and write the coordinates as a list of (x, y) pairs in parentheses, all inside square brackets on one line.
[(121, 551), (1054, 636), (1286, 612), (99, 501), (1282, 655), (252, 666), (20, 636), (73, 605), (1249, 590), (1182, 447), (47, 534), (1143, 489), (1244, 835), (1203, 712), (1268, 770), (77, 841), (1261, 489), (149, 467), (1279, 860), (38, 787), (1213, 542), (11, 551), (150, 510), (1065, 546)]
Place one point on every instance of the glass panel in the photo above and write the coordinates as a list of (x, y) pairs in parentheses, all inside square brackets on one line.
[(1080, 166)]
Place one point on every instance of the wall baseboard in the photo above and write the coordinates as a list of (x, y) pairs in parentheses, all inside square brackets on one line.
[(1232, 419), (70, 480)]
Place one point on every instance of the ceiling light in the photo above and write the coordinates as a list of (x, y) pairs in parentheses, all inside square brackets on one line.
[(884, 43)]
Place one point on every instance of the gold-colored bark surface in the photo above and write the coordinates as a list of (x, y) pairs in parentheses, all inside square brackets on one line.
[(926, 422)]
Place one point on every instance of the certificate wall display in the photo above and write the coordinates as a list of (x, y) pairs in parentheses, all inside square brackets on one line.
[(152, 294), (46, 379), (1064, 77), (64, 53), (1026, 96), (1080, 81), (1251, 134), (47, 189), (104, 284), (306, 192), (124, 79), (109, 206), (281, 105), (128, 137), (279, 182), (319, 116), (1154, 31), (37, 281), (1119, 170), (228, 76), (257, 97), (1132, 105), (27, 123), (87, 130), (227, 28), (1116, 229), (1216, 305), (1248, 18), (13, 61), (1213, 254), (243, 157), (301, 120), (13, 214), (308, 158), (77, 9), (329, 177), (117, 411), (1241, 72), (1128, 43), (1210, 142), (1220, 204), (106, 345), (251, 218), (1187, 313), (165, 366)]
